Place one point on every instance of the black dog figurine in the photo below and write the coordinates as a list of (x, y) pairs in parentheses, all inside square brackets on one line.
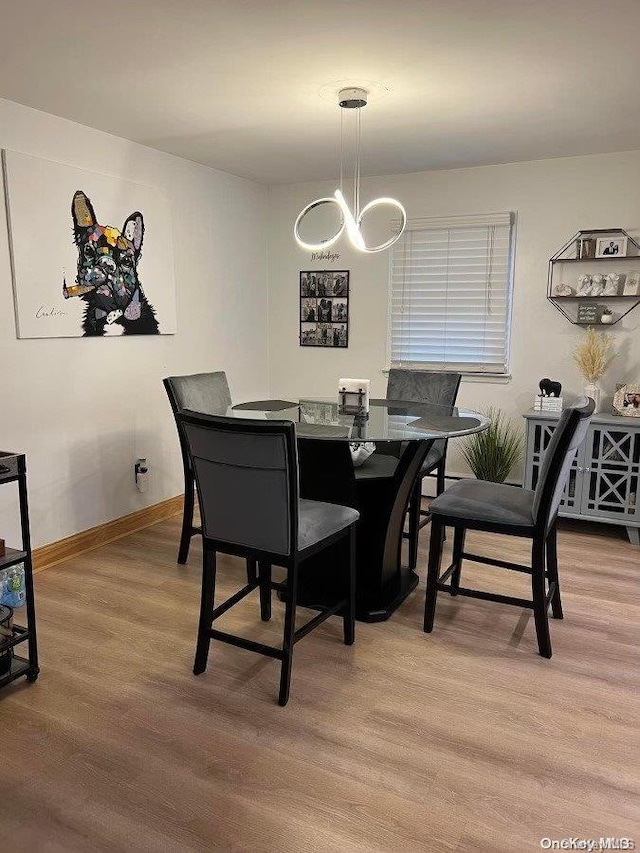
[(549, 388), (107, 279)]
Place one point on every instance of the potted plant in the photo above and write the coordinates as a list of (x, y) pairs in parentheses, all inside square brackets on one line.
[(492, 453), (606, 316), (593, 357)]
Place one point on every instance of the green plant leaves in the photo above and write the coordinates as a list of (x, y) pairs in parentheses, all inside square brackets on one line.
[(492, 454)]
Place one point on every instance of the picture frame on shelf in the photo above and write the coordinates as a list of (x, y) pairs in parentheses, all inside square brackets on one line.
[(626, 400), (613, 283), (585, 248), (589, 313), (631, 286), (611, 247)]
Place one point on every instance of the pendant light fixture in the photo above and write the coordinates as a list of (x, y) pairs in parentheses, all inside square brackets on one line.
[(350, 218)]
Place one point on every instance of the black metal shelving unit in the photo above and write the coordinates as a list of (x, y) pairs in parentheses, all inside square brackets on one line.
[(620, 304), (13, 469)]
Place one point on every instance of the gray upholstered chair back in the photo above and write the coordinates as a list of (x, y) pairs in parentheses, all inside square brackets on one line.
[(423, 386), (199, 392), (567, 437), (246, 474)]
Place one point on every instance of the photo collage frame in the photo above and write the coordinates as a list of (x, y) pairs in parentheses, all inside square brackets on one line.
[(324, 308)]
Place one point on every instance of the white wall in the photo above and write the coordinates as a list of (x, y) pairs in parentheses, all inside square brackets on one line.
[(552, 199), (84, 409)]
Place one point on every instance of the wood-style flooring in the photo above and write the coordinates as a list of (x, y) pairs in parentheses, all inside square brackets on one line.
[(464, 740)]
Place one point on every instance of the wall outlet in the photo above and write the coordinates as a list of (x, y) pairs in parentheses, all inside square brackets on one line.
[(141, 470)]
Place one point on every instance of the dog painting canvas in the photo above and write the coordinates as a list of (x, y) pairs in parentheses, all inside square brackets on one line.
[(107, 277), (107, 241)]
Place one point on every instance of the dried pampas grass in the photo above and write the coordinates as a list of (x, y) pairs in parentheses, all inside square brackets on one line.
[(594, 355)]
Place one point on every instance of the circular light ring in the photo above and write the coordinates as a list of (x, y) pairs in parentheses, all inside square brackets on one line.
[(324, 244), (378, 202)]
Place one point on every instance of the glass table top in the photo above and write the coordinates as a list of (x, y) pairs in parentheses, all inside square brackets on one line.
[(388, 420)]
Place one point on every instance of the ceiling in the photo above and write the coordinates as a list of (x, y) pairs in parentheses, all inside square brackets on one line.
[(235, 84)]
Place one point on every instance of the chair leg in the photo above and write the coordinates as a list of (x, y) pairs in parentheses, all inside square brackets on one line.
[(414, 524), (440, 483), (206, 608), (265, 590), (252, 570), (458, 548), (349, 619), (538, 588), (433, 572), (289, 631), (552, 569), (187, 519)]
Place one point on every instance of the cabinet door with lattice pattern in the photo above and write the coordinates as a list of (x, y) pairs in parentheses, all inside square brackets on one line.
[(611, 471), (538, 436)]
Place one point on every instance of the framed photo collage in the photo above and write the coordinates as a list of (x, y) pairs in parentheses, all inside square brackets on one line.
[(324, 308)]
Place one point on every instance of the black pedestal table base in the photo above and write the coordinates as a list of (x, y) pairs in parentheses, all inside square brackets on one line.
[(383, 582)]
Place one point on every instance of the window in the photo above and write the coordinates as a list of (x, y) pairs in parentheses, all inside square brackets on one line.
[(451, 294)]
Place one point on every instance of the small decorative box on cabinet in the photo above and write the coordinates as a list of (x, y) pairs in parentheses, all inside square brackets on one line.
[(605, 476)]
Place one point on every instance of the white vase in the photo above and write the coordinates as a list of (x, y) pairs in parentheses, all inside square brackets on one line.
[(592, 390)]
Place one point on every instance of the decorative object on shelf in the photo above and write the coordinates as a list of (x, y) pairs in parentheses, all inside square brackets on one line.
[(353, 396), (593, 357), (550, 388), (12, 587), (584, 285), (597, 285), (613, 280), (549, 399), (324, 308), (93, 270), (589, 313), (607, 316), (492, 454), (585, 248), (631, 285), (563, 289), (350, 99), (626, 400), (602, 277), (607, 247), (548, 404)]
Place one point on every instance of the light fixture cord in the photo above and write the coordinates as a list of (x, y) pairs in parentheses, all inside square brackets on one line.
[(356, 191), (341, 149)]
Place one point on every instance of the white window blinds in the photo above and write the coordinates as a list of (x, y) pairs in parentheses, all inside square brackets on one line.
[(451, 294)]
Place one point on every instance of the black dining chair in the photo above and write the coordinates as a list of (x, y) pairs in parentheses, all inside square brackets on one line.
[(246, 474), (198, 392), (510, 510), (418, 386)]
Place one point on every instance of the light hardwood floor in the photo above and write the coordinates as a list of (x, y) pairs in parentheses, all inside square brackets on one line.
[(463, 740)]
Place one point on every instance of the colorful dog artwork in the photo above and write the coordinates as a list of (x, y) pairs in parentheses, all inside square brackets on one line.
[(107, 279), (91, 253)]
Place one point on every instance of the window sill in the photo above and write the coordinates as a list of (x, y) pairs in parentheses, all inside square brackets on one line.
[(490, 379), (486, 378)]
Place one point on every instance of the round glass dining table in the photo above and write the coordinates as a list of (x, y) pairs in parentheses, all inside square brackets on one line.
[(403, 433)]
